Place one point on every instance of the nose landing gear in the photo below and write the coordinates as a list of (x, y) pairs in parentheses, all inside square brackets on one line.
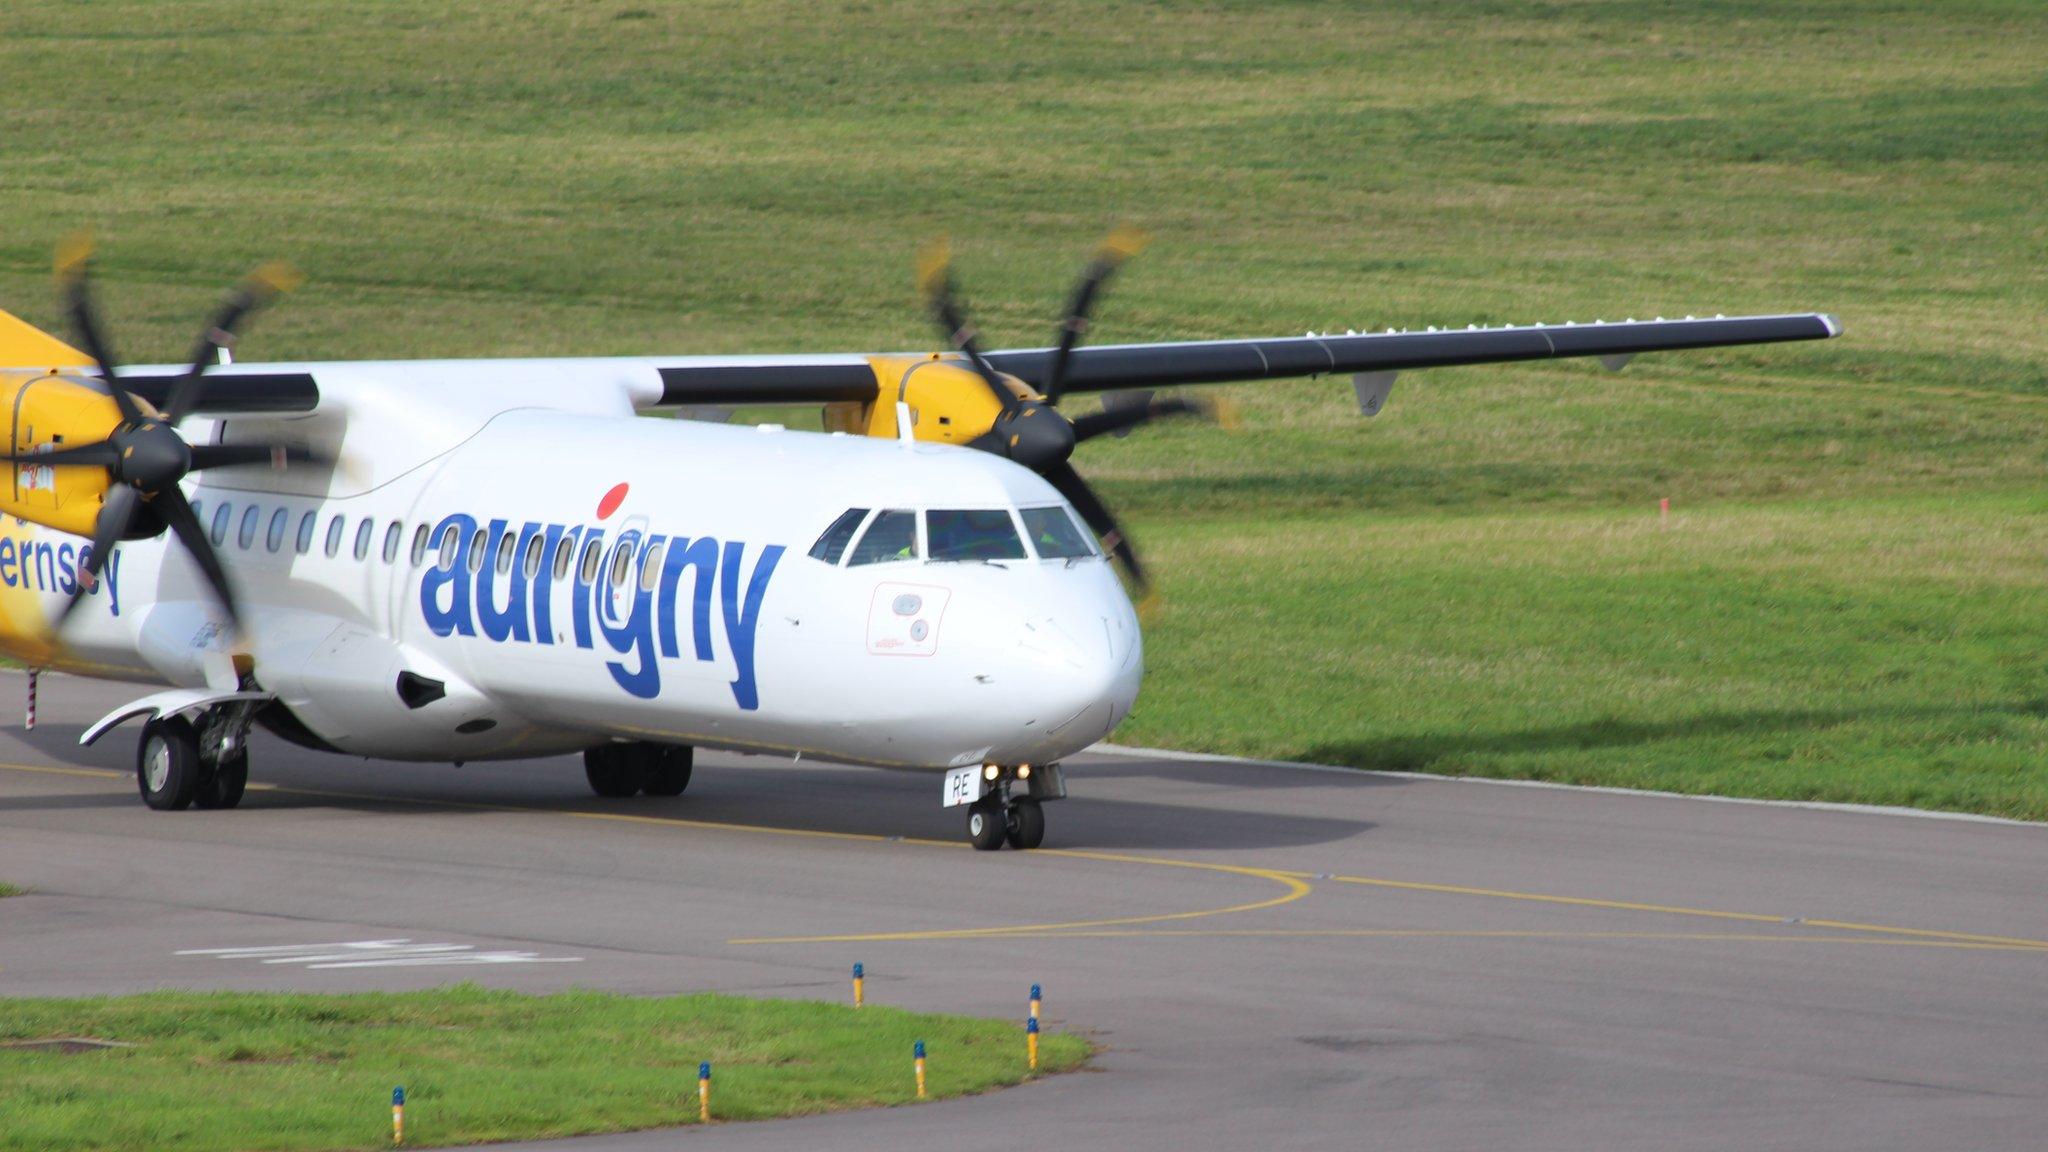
[(1010, 811)]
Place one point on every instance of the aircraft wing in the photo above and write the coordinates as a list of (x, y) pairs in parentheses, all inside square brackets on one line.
[(1110, 367)]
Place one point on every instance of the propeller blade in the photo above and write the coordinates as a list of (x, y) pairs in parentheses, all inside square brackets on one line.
[(1121, 245), (107, 530), (1111, 419), (177, 512), (1069, 483), (935, 283), (72, 273), (278, 456), (74, 259), (103, 454), (256, 292)]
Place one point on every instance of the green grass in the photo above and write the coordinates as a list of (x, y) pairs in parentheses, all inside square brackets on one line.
[(7, 890), (239, 1070), (464, 178)]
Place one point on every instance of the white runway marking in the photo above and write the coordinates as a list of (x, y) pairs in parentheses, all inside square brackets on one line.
[(376, 954)]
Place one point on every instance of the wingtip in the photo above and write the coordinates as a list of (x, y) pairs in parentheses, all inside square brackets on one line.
[(1829, 321)]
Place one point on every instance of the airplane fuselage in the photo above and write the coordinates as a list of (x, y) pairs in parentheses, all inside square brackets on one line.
[(549, 580)]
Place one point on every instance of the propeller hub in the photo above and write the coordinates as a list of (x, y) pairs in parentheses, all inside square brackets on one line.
[(1035, 435), (153, 456)]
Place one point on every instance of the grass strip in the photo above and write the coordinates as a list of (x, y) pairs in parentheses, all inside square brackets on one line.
[(206, 1071)]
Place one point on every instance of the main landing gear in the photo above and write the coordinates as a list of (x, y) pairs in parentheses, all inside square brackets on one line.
[(203, 762), (617, 771), (1011, 811)]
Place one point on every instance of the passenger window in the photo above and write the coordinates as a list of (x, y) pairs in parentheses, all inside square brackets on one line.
[(221, 515), (650, 566), (334, 536), (1054, 535), (420, 536), (479, 542), (246, 534), (369, 525), (622, 566), (508, 547), (279, 521), (451, 539), (565, 555), (393, 536), (892, 536), (534, 549), (592, 557), (832, 545), (305, 541), (971, 534)]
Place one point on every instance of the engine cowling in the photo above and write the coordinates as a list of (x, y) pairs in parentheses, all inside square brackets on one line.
[(52, 410), (949, 403)]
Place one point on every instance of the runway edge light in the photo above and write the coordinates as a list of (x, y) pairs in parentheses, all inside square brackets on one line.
[(1031, 1041), (1036, 998), (917, 1050), (859, 982), (704, 1092), (398, 1114)]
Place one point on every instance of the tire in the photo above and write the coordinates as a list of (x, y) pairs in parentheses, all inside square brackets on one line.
[(224, 788), (167, 767), (1027, 824), (668, 770), (612, 771), (985, 826)]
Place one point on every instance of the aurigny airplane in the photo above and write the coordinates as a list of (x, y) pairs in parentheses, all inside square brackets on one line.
[(463, 560)]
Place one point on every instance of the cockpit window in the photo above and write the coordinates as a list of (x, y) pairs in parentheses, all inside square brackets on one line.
[(832, 544), (892, 536), (971, 534), (1054, 534)]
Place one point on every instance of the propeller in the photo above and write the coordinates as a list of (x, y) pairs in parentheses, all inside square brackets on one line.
[(1030, 429), (144, 456)]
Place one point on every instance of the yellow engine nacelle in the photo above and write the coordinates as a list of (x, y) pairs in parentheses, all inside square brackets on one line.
[(949, 402), (50, 410)]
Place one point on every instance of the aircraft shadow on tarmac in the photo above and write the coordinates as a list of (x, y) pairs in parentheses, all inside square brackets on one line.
[(777, 795)]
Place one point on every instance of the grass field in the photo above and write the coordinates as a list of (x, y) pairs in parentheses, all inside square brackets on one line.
[(207, 1071), (1845, 602)]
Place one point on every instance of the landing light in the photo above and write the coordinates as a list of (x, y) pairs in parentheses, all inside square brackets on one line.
[(1023, 771), (990, 772)]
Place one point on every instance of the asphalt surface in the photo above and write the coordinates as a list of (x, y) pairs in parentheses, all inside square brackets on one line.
[(1268, 956)]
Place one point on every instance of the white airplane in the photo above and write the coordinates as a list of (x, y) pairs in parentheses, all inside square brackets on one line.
[(465, 560)]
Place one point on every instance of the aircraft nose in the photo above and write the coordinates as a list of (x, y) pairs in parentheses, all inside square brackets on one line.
[(1085, 670)]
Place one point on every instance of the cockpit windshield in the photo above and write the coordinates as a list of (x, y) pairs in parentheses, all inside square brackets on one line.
[(952, 534), (832, 545), (1054, 535), (892, 536), (972, 534)]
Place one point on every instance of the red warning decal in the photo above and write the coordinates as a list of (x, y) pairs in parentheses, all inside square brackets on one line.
[(611, 501)]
